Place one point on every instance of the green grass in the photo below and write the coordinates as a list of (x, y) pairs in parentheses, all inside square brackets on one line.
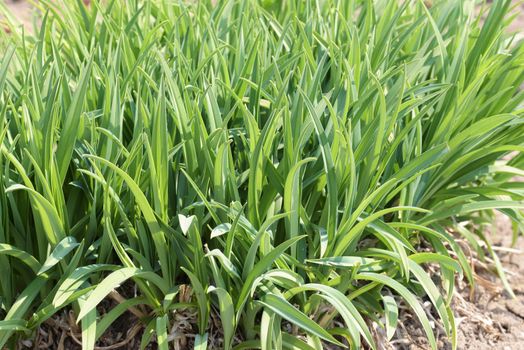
[(296, 163)]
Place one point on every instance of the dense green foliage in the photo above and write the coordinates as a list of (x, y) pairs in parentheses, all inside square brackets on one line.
[(294, 162)]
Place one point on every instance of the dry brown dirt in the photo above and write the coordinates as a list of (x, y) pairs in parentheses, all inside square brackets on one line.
[(496, 321), (487, 317), (22, 9)]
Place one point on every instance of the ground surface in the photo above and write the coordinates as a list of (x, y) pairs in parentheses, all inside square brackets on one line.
[(488, 319), (22, 10), (496, 321)]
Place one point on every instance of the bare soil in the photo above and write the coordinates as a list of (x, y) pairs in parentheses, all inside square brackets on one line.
[(21, 9), (492, 319), (487, 317)]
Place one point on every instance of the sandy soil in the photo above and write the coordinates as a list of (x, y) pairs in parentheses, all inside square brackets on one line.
[(487, 317), (21, 9), (492, 319)]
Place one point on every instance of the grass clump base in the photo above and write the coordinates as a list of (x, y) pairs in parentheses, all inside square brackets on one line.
[(284, 162)]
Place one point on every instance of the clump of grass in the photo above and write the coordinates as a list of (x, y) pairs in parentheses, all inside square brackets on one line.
[(286, 160)]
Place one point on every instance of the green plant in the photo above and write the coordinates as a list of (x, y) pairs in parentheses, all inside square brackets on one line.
[(287, 161)]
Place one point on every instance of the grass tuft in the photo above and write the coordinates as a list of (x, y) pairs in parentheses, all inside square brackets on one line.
[(285, 163)]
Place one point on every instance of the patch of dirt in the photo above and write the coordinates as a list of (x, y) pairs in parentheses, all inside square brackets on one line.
[(492, 319), (22, 10), (518, 24), (61, 332), (487, 318)]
